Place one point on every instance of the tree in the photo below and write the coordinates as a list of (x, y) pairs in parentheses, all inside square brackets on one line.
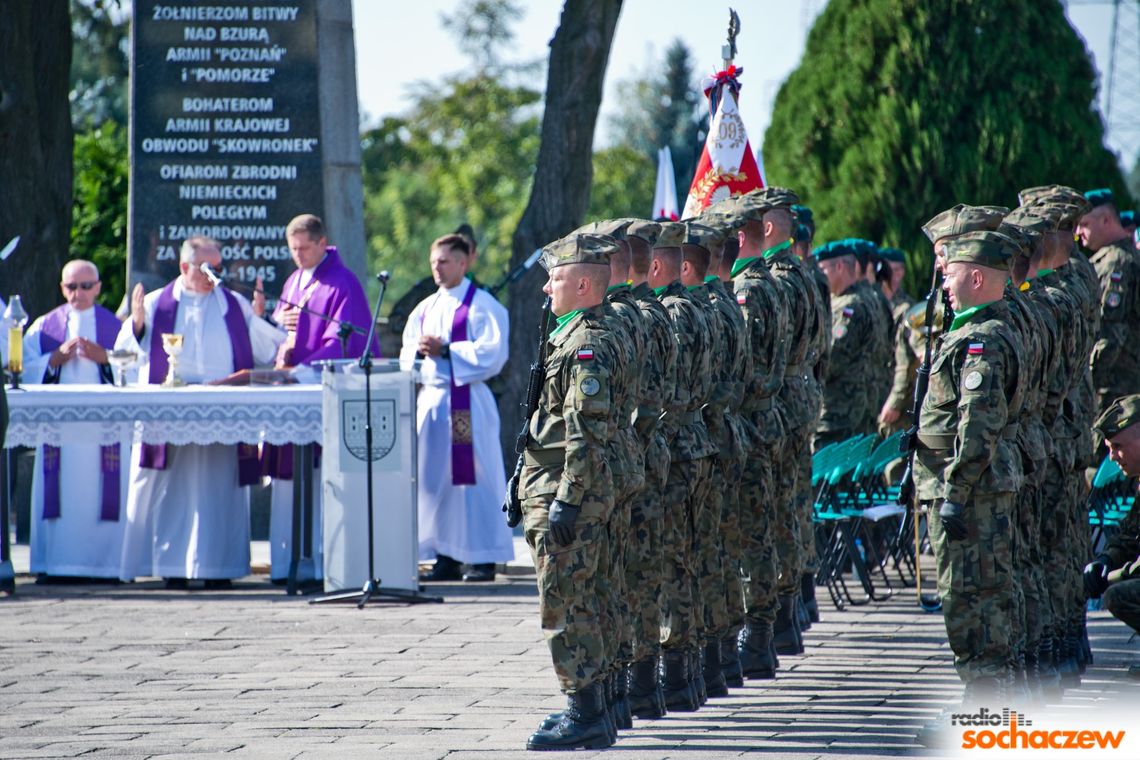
[(902, 108), (99, 222), (623, 185), (100, 66), (35, 147), (579, 53)]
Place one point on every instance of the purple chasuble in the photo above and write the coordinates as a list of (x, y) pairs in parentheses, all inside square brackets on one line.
[(462, 446), (153, 456), (52, 336)]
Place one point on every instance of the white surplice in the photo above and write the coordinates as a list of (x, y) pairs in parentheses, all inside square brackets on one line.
[(77, 542), (462, 522), (191, 520)]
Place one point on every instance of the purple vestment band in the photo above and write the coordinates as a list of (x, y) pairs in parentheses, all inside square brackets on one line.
[(462, 447), (53, 335), (153, 456)]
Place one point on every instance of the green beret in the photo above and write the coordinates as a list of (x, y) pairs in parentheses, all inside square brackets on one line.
[(1127, 218), (835, 249), (802, 234), (804, 216), (579, 249), (864, 250), (962, 219), (709, 238), (1120, 415), (615, 228), (672, 235), (892, 254), (1100, 197), (644, 229), (982, 247)]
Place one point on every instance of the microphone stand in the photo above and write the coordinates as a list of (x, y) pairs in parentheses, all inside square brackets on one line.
[(372, 587), (515, 273)]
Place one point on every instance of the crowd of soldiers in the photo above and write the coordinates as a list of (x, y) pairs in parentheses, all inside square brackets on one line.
[(695, 366)]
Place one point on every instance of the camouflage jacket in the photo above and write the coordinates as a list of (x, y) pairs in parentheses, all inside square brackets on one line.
[(796, 408), (765, 315), (900, 304), (967, 424), (879, 363), (1078, 279), (853, 325), (1124, 546), (566, 457), (821, 333), (690, 439), (627, 460), (1116, 353), (910, 350), (737, 369), (659, 367)]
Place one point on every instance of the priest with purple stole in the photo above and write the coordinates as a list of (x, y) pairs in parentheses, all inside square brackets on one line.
[(321, 285), (188, 505), (78, 488), (461, 334)]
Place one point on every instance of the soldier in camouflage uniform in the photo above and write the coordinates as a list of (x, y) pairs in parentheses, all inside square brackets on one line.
[(878, 364), (686, 491), (1116, 353), (895, 262), (645, 564), (772, 208), (567, 489), (765, 314), (894, 413), (966, 467), (853, 324), (818, 361), (1119, 426)]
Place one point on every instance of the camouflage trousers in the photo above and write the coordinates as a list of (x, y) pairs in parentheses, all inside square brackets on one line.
[(1035, 610), (758, 558), (731, 548), (718, 521), (975, 579), (682, 613), (613, 586), (787, 521), (644, 558), (1080, 548), (1122, 599), (572, 610), (804, 505)]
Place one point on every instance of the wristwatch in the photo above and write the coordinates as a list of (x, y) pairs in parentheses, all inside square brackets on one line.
[(445, 351)]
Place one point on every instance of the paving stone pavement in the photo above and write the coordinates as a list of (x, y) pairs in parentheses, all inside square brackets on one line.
[(135, 671)]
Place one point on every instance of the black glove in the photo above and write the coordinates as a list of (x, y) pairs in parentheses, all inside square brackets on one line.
[(562, 519), (511, 503), (953, 520), (1096, 577)]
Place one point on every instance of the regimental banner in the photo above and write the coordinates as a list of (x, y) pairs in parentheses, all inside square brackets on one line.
[(727, 166), (225, 133)]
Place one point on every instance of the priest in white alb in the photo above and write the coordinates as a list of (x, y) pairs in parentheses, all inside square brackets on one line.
[(461, 334), (188, 505), (78, 488)]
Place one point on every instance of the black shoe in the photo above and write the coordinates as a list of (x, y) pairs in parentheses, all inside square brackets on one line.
[(756, 659), (445, 569), (582, 726), (219, 584), (481, 573), (177, 584)]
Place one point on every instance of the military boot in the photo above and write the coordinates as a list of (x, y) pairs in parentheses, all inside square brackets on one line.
[(623, 718), (643, 690), (730, 661), (583, 724), (1047, 675), (1018, 684), (756, 656), (786, 634), (986, 691), (1084, 651), (1067, 664), (697, 674), (677, 682), (802, 618), (1030, 675), (807, 592), (715, 685), (606, 687)]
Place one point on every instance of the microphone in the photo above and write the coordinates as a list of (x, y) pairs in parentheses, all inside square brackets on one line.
[(383, 276), (213, 278)]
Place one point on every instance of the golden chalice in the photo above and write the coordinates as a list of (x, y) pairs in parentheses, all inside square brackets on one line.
[(172, 345)]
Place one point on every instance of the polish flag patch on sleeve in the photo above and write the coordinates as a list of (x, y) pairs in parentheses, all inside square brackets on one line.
[(848, 311), (741, 298), (976, 349), (585, 354)]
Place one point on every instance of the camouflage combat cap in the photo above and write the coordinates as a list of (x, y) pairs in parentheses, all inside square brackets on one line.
[(643, 229), (962, 219), (753, 205), (704, 236), (615, 228), (1026, 238), (1049, 192), (985, 248), (672, 235), (579, 249), (726, 215), (1038, 218), (1120, 415)]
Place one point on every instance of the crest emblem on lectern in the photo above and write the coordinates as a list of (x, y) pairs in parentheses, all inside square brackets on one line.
[(353, 419)]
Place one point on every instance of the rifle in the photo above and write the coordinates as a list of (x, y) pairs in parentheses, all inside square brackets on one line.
[(512, 506), (909, 443)]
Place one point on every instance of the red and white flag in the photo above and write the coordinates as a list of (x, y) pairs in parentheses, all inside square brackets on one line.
[(665, 198), (727, 166)]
